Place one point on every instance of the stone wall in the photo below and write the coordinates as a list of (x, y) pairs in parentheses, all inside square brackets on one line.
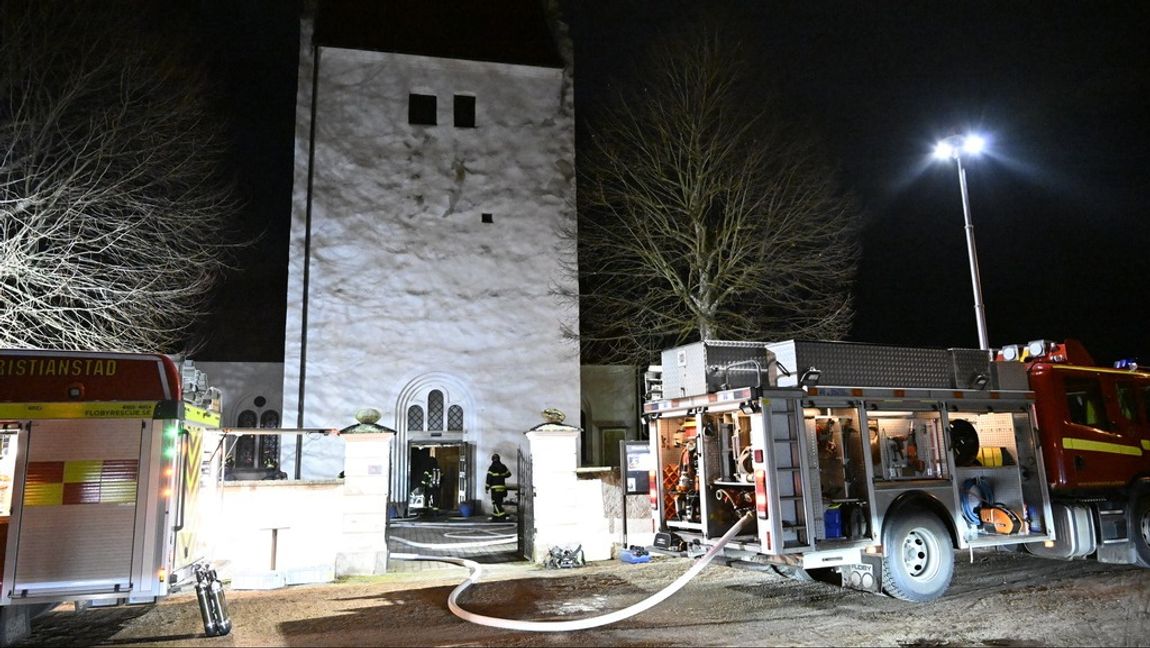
[(275, 532), (640, 522), (306, 517)]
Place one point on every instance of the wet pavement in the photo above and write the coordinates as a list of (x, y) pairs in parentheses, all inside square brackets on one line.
[(446, 534)]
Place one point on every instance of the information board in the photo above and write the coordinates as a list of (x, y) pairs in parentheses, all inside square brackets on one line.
[(636, 466)]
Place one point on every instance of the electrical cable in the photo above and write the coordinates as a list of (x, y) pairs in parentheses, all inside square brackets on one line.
[(574, 624), (975, 492)]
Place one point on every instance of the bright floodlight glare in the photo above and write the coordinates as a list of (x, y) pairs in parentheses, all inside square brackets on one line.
[(943, 150), (973, 144)]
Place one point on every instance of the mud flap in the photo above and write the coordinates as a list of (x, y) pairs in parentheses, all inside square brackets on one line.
[(865, 576)]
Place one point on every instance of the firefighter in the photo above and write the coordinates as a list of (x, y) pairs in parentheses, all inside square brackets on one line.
[(497, 476), (431, 483)]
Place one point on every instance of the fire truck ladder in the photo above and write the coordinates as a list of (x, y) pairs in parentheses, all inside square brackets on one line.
[(789, 513)]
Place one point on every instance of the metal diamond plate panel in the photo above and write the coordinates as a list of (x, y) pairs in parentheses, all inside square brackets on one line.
[(876, 365), (968, 365)]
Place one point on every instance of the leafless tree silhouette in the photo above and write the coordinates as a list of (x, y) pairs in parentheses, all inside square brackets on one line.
[(112, 214), (704, 214)]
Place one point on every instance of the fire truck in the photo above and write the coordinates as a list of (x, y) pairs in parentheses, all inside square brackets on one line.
[(1095, 429), (875, 462), (107, 468)]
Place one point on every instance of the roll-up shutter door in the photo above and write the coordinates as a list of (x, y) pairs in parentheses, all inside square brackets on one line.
[(78, 507)]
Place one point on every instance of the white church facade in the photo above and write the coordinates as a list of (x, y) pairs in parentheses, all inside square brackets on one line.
[(432, 179)]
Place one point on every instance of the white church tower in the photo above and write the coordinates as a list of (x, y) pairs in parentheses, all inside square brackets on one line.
[(434, 170)]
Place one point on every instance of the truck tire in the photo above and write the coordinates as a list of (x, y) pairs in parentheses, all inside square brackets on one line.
[(1140, 525), (919, 560)]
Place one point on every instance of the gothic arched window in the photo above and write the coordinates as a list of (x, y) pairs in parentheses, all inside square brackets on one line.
[(455, 418), (435, 410), (415, 418)]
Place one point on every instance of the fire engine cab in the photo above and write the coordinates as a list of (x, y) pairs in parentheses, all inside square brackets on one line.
[(1095, 429), (873, 461), (107, 465)]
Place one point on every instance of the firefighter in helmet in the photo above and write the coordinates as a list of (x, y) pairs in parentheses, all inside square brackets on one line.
[(431, 483), (497, 476)]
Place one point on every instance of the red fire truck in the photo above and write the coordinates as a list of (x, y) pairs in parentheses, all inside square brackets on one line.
[(1094, 424), (107, 461), (876, 462)]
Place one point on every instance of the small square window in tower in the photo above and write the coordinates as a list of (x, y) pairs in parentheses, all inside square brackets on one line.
[(464, 111), (421, 110)]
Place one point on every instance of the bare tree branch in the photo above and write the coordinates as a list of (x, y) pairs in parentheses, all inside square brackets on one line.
[(112, 216), (700, 218)]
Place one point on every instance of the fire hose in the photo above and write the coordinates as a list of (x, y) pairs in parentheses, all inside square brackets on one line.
[(481, 537), (511, 539), (574, 624)]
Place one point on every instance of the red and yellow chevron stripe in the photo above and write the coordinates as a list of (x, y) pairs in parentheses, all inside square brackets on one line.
[(192, 465), (95, 481)]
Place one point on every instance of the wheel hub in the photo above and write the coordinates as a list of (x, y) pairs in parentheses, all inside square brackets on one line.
[(919, 555)]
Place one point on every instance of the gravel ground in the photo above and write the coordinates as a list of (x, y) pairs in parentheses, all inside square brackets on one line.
[(1001, 599)]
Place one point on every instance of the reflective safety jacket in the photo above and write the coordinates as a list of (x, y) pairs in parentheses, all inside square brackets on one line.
[(497, 476)]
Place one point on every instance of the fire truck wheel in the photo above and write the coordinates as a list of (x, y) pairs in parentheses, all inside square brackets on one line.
[(919, 561), (1140, 525)]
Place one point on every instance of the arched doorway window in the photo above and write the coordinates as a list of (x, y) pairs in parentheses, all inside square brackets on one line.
[(415, 417), (435, 410), (435, 419), (435, 415)]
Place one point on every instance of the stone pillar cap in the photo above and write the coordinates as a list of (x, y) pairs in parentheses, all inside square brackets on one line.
[(552, 427), (367, 418)]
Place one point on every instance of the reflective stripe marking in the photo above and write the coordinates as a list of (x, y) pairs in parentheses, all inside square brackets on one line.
[(112, 409), (200, 415), (83, 471), (1145, 444), (1072, 443), (192, 465), (58, 483), (1103, 370)]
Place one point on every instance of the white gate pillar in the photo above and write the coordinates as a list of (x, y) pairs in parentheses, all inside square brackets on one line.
[(567, 510), (367, 475)]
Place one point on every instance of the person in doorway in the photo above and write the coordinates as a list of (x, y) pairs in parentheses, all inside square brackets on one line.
[(497, 476), (431, 483)]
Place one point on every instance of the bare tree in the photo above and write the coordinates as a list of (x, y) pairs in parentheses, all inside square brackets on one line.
[(111, 213), (703, 219)]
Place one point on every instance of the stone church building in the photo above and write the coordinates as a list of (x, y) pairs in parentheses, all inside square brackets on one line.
[(434, 170)]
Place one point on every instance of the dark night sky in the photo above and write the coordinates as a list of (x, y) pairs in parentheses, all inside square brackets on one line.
[(1059, 88), (251, 50)]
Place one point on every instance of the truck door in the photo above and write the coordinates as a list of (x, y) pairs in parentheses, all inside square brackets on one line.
[(74, 508), (1133, 421), (784, 472), (1098, 448)]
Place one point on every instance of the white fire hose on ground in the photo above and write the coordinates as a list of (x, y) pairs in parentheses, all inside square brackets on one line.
[(575, 624), (485, 536)]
